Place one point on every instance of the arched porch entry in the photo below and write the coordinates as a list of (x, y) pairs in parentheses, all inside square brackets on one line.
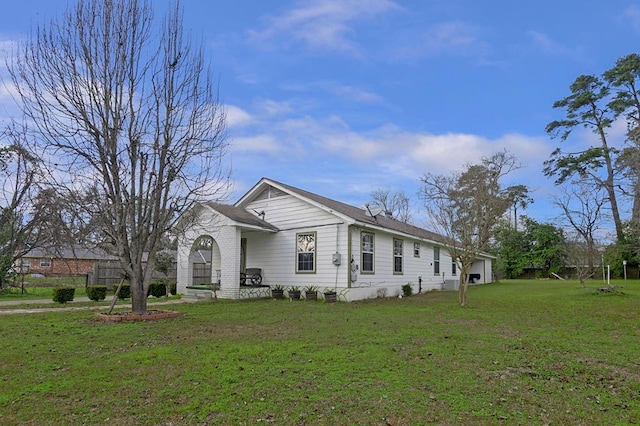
[(204, 261), (210, 256)]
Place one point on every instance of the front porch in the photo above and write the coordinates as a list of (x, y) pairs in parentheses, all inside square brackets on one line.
[(214, 252)]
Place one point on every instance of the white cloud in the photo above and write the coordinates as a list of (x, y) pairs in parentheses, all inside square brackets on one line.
[(548, 45), (386, 148), (7, 48), (450, 36), (357, 95), (7, 89), (256, 144), (237, 117), (455, 38), (8, 92), (271, 108), (344, 92), (322, 25), (327, 156), (544, 42)]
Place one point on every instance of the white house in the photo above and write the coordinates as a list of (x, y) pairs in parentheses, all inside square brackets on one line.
[(298, 238)]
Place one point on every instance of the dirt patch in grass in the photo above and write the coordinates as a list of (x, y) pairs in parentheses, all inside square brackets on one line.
[(151, 315)]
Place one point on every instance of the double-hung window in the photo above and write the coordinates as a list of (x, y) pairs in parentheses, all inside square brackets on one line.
[(436, 260), (306, 252), (367, 252), (397, 256), (454, 267), (416, 249)]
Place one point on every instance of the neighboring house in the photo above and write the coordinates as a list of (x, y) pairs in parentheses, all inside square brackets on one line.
[(298, 238), (76, 260), (100, 267)]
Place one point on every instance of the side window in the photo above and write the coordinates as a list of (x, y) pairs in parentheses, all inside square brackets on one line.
[(306, 252), (454, 267), (397, 256), (436, 260), (367, 249), (416, 249)]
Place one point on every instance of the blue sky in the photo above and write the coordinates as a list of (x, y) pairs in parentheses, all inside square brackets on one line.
[(344, 97)]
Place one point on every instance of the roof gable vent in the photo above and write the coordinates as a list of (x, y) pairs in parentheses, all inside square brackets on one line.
[(270, 192)]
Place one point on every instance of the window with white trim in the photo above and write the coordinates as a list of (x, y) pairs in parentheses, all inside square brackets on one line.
[(306, 252), (367, 252), (397, 256), (436, 260), (416, 249), (45, 262), (454, 267)]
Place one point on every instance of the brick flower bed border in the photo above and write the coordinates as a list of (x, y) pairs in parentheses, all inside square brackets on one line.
[(151, 315)]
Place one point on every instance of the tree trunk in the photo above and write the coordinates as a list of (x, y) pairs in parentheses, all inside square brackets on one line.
[(462, 293), (635, 212), (138, 296), (609, 185), (464, 284)]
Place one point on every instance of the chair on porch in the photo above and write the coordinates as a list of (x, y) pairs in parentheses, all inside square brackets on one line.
[(254, 275)]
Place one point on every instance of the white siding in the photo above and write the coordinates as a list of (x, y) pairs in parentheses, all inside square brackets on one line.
[(276, 255), (369, 285), (288, 212)]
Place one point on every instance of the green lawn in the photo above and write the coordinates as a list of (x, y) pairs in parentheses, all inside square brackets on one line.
[(522, 352), (34, 288), (34, 293)]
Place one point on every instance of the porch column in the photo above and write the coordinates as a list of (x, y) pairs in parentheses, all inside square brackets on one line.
[(229, 243), (184, 269)]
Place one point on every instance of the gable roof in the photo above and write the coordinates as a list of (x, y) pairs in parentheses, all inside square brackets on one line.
[(355, 213), (240, 215), (78, 252)]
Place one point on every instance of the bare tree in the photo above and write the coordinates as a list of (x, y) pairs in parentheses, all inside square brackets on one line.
[(465, 207), (582, 206), (581, 257), (124, 108), (19, 220), (396, 204)]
